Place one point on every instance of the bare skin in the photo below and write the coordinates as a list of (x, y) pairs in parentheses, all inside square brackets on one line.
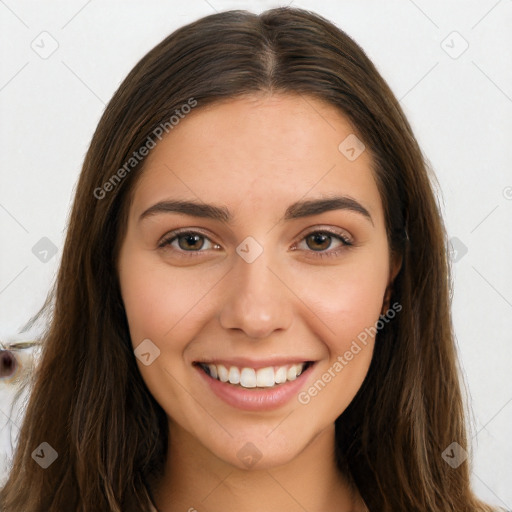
[(304, 298)]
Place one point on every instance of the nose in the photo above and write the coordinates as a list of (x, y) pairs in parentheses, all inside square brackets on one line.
[(257, 302)]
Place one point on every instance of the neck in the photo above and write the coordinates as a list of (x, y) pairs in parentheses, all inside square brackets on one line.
[(195, 479)]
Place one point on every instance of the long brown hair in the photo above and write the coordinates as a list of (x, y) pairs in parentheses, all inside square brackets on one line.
[(89, 402)]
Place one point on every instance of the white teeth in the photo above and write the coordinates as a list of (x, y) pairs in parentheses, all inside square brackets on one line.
[(234, 375), (213, 370), (222, 372), (291, 374), (280, 376), (248, 378), (251, 378), (265, 377)]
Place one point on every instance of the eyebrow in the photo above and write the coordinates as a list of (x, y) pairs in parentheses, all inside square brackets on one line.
[(296, 210)]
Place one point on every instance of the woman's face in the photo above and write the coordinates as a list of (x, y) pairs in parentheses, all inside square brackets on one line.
[(233, 258)]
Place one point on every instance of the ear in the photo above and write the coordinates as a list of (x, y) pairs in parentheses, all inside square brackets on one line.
[(394, 267)]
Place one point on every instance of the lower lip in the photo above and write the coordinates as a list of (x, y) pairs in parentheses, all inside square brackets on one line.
[(256, 399)]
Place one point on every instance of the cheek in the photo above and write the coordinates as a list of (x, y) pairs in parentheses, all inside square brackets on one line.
[(346, 317), (346, 299), (163, 306), (159, 301)]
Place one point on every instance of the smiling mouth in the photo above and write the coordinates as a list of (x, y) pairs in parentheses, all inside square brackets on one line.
[(250, 378)]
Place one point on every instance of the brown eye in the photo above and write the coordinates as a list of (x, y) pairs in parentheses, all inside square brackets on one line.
[(319, 241), (187, 242), (190, 241), (324, 243)]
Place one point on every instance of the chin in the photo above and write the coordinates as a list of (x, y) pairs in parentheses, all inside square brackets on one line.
[(260, 450)]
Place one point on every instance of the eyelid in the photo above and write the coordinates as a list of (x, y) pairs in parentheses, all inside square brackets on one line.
[(336, 232), (169, 237)]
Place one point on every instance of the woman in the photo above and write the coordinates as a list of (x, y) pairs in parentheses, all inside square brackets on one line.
[(252, 310)]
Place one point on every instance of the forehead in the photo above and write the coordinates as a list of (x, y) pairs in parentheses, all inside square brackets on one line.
[(259, 153)]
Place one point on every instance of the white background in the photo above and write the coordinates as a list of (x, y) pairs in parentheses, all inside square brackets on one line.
[(460, 109)]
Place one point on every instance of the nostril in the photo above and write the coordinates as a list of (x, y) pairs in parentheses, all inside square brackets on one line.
[(8, 364)]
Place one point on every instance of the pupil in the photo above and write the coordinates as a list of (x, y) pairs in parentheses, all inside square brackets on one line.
[(186, 242), (319, 239)]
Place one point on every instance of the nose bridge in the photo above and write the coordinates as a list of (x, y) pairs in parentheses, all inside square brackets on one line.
[(256, 302)]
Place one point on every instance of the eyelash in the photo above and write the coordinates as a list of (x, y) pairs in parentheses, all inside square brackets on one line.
[(346, 243)]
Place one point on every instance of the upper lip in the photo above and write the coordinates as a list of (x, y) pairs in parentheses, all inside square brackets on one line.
[(243, 362)]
